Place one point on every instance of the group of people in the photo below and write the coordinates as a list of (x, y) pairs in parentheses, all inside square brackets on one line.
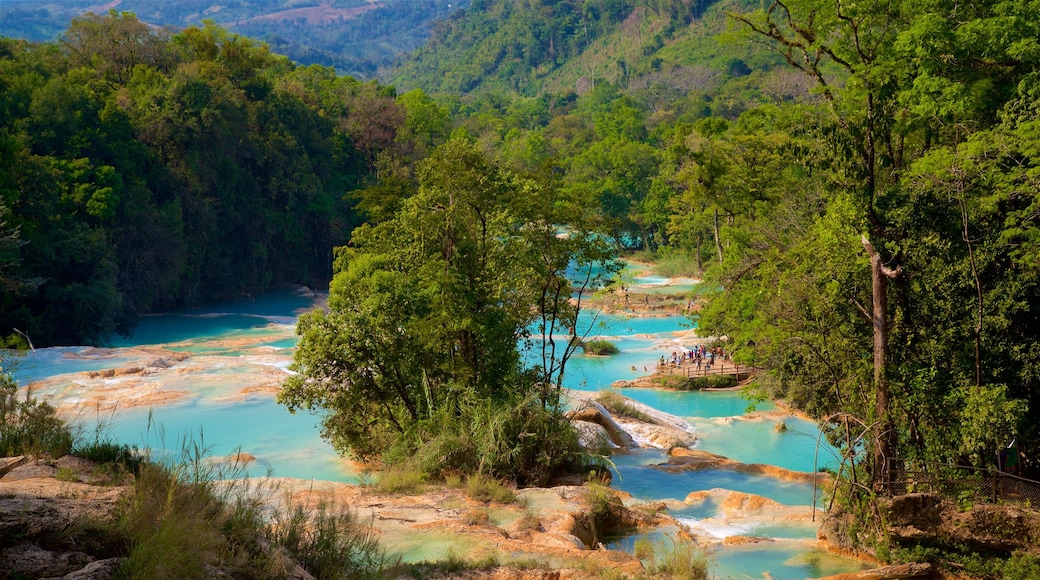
[(699, 355)]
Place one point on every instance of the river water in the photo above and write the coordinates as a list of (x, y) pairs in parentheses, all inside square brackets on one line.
[(211, 374)]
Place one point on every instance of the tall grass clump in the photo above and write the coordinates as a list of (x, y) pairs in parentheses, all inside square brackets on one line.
[(29, 426), (192, 516), (401, 479), (106, 452), (683, 559), (675, 263), (618, 406), (482, 488), (329, 541)]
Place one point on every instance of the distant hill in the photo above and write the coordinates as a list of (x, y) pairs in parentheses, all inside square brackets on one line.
[(657, 49), (357, 37)]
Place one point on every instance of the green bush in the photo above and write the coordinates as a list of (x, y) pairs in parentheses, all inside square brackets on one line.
[(172, 527), (516, 440), (30, 427), (402, 479), (482, 488), (682, 559), (599, 347), (330, 542), (684, 383), (1021, 566), (109, 453)]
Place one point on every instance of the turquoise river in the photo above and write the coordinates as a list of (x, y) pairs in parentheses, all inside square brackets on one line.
[(211, 374)]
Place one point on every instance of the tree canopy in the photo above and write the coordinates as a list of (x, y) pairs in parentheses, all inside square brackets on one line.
[(144, 171), (430, 314)]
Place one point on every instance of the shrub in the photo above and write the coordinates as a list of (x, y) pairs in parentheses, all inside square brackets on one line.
[(172, 527), (682, 559), (1021, 566), (197, 518), (604, 508), (482, 488), (681, 382), (109, 453), (30, 427), (66, 474), (452, 565), (676, 263), (476, 517), (517, 440), (643, 549), (403, 479), (329, 541), (599, 347)]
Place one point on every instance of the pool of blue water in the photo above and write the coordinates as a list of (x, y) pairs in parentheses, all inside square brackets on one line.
[(290, 445), (638, 476), (285, 445)]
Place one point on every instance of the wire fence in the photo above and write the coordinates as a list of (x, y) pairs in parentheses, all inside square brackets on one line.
[(970, 484)]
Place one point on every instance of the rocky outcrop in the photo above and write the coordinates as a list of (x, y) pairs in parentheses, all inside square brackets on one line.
[(896, 572), (45, 521), (921, 518)]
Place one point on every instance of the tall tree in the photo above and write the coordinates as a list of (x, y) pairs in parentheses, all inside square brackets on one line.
[(902, 79), (427, 311)]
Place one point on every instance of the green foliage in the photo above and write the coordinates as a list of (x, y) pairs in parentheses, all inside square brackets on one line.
[(643, 549), (452, 564), (1021, 565), (663, 51), (967, 561), (618, 406), (29, 426), (683, 383), (992, 418), (108, 452), (602, 502), (330, 541), (356, 38), (144, 171), (401, 480), (482, 488), (683, 558), (425, 314), (66, 474), (187, 518), (599, 347)]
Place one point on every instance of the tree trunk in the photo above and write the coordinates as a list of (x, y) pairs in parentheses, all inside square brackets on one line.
[(718, 240), (885, 444)]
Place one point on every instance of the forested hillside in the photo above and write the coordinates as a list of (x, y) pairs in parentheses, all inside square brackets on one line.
[(141, 170), (663, 51), (357, 37)]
